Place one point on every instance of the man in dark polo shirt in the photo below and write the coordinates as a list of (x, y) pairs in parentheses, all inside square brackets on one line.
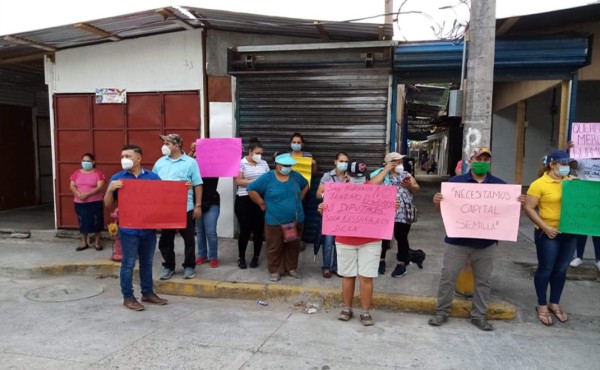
[(479, 251)]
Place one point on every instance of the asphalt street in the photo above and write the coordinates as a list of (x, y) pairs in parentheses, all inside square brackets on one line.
[(77, 322)]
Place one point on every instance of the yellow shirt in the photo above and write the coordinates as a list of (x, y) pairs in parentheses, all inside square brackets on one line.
[(549, 192)]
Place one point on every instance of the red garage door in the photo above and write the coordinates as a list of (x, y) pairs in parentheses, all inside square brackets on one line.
[(103, 129)]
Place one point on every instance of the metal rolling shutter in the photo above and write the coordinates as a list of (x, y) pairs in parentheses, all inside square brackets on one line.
[(335, 110)]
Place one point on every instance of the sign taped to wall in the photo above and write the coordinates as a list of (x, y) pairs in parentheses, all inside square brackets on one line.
[(111, 95)]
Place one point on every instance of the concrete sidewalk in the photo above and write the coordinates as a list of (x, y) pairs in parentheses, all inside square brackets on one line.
[(512, 286)]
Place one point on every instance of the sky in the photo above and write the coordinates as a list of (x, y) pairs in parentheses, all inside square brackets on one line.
[(27, 15)]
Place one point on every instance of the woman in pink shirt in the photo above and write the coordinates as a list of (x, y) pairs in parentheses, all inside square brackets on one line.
[(86, 184)]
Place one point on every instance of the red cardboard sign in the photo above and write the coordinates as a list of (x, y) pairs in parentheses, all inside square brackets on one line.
[(153, 204)]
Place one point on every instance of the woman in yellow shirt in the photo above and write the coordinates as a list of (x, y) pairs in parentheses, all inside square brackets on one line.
[(554, 249)]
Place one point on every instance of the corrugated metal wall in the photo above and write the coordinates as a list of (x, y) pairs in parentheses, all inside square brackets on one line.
[(19, 85), (542, 58), (341, 111), (335, 110)]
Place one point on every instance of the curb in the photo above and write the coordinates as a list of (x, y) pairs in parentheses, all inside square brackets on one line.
[(203, 288)]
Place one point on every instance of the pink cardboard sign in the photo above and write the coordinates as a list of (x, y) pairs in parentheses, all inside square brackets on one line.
[(482, 211), (362, 210), (586, 140), (219, 157)]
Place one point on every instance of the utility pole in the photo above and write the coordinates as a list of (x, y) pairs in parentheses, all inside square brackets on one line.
[(477, 117), (389, 10)]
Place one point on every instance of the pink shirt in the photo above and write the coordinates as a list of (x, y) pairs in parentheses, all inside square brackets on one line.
[(86, 182)]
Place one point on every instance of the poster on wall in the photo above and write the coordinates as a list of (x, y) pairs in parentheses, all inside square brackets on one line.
[(111, 95), (586, 140)]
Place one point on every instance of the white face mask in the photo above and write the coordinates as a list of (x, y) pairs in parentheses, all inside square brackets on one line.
[(399, 168), (358, 180), (126, 163), (165, 150), (256, 158)]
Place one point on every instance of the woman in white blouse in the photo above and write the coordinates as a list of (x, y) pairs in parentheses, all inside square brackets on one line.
[(250, 217)]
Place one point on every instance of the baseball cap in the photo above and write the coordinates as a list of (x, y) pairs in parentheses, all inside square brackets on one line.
[(559, 156), (480, 151), (173, 138), (285, 159), (357, 169), (393, 156)]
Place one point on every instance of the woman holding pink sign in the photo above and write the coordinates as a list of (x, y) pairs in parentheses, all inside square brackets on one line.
[(554, 249)]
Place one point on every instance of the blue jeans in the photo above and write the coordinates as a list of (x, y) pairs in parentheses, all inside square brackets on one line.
[(553, 256), (582, 239), (137, 246), (329, 254), (206, 229)]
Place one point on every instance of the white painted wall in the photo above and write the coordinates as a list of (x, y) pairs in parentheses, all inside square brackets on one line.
[(169, 62), (504, 140), (221, 126)]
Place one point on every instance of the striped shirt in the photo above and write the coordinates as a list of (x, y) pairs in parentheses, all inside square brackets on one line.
[(250, 172)]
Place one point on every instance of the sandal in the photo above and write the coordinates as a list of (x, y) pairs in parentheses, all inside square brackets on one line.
[(544, 317), (326, 274), (275, 277), (559, 314), (345, 315), (366, 319), (82, 248)]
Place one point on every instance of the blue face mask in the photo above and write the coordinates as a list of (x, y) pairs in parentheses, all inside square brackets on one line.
[(563, 171), (87, 165), (296, 147), (285, 170), (342, 166)]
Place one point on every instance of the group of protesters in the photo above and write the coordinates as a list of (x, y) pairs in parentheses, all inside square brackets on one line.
[(269, 206)]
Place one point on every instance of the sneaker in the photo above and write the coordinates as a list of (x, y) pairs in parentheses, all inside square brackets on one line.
[(166, 273), (242, 264), (254, 263), (189, 272), (295, 274), (576, 262), (438, 320), (381, 267), (214, 263), (200, 260), (399, 271), (482, 323)]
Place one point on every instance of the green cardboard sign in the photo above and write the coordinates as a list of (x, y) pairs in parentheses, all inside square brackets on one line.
[(580, 208)]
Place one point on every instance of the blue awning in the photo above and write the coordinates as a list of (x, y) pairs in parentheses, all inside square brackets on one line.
[(515, 59)]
